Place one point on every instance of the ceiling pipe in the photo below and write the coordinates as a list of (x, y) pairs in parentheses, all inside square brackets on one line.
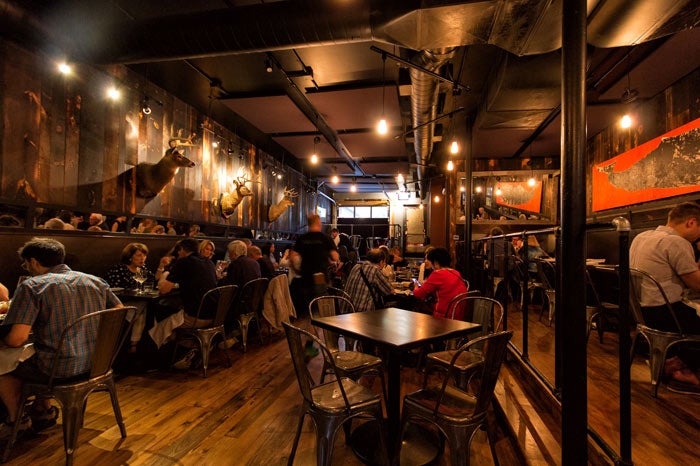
[(424, 98)]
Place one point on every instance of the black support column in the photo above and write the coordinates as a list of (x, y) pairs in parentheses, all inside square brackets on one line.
[(571, 321)]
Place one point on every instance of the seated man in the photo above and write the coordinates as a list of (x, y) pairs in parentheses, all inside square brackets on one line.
[(667, 254), (53, 297), (357, 286), (267, 270), (195, 275), (242, 268)]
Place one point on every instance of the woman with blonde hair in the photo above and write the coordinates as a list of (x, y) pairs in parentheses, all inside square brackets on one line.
[(207, 248)]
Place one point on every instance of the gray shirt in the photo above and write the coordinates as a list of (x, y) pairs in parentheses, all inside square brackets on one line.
[(665, 255)]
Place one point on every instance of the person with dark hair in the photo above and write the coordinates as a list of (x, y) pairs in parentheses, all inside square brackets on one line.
[(133, 259), (266, 268), (666, 253), (358, 287), (268, 252), (444, 283), (45, 305), (317, 252), (195, 275)]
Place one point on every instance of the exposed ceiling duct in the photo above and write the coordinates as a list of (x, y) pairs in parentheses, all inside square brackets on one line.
[(424, 99)]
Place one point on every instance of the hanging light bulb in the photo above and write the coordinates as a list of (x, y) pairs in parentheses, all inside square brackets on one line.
[(478, 189), (314, 159), (625, 121), (436, 199), (450, 165), (279, 176), (498, 191), (353, 187), (64, 68), (215, 143), (420, 206), (335, 179), (531, 182), (399, 179), (382, 127), (454, 147), (113, 93), (462, 189)]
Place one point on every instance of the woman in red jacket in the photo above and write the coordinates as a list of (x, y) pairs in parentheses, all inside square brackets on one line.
[(445, 283)]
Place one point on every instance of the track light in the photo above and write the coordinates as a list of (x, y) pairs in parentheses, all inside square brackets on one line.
[(145, 106)]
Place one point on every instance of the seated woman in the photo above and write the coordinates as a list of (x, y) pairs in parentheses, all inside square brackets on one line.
[(206, 249), (268, 251), (444, 283), (121, 275), (534, 251)]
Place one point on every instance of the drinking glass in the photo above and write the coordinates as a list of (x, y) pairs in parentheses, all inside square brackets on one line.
[(140, 276)]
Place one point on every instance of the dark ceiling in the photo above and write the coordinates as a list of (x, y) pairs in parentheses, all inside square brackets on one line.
[(324, 80)]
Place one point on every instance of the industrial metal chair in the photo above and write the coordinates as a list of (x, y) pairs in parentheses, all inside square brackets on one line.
[(481, 310), (456, 413), (350, 364), (221, 299), (547, 274), (659, 341), (330, 405), (599, 310), (110, 329), (248, 307)]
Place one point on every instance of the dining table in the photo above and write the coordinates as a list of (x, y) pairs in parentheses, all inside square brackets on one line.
[(394, 330)]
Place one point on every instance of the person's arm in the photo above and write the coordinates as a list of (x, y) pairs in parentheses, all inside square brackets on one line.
[(18, 336), (383, 283), (692, 280), (165, 286), (4, 294), (427, 288)]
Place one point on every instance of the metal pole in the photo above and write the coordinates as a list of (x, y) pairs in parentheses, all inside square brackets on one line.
[(469, 189), (623, 227), (526, 296), (572, 333)]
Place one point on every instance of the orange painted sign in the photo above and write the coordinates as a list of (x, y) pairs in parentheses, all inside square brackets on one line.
[(664, 167), (519, 195)]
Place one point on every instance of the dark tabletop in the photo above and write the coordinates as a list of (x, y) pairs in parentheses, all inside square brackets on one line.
[(396, 327)]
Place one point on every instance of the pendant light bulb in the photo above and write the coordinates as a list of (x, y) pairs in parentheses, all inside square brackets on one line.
[(450, 166), (335, 179), (498, 191), (314, 159), (420, 206), (531, 182), (454, 147), (382, 127), (399, 179), (478, 189)]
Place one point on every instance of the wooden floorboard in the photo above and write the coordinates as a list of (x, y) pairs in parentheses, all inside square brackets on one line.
[(665, 430), (243, 415)]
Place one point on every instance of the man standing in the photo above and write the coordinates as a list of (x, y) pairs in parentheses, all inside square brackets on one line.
[(317, 250), (667, 254), (45, 304)]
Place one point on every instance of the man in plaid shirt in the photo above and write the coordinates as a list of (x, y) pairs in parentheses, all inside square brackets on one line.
[(357, 288), (46, 304)]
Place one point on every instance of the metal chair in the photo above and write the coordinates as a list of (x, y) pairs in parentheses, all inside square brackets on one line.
[(598, 309), (330, 405), (221, 299), (350, 364), (659, 341), (455, 412), (249, 305), (547, 283), (110, 329), (485, 311), (338, 292)]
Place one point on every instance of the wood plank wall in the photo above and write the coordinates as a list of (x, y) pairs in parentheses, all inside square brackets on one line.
[(64, 144)]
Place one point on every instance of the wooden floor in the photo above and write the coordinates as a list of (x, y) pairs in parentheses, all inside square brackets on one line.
[(243, 415), (665, 430)]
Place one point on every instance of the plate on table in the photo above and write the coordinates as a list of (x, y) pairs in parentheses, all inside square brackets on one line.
[(595, 261), (116, 289)]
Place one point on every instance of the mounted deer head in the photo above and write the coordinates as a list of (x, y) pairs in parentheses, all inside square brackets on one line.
[(151, 178), (276, 210), (229, 201)]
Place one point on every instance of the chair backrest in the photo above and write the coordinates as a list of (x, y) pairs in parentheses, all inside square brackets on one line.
[(110, 329), (546, 273), (219, 298), (333, 291), (482, 310), (250, 298), (494, 347), (326, 306), (603, 284), (638, 278), (296, 348)]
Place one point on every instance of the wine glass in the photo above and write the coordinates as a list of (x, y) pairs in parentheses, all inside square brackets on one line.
[(140, 277)]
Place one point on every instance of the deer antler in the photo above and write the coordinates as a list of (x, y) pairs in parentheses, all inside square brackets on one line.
[(179, 141), (290, 192)]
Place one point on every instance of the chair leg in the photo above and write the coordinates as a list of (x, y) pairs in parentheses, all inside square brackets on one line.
[(460, 444), (15, 428), (657, 359), (325, 438), (115, 407), (290, 461), (205, 347), (244, 323), (72, 417)]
